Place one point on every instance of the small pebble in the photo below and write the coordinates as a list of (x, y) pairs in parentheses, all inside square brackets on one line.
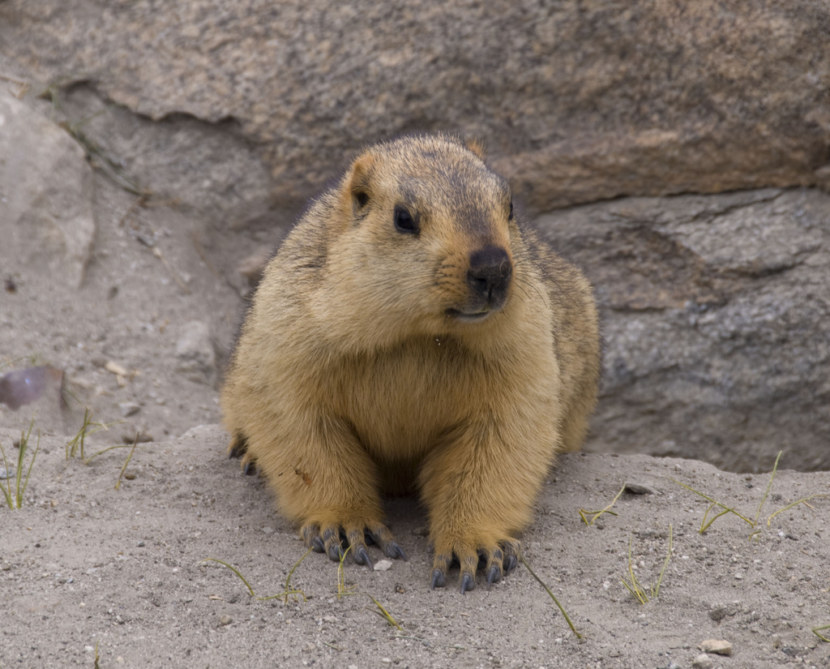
[(129, 408), (225, 620), (638, 489), (703, 661), (716, 646), (383, 565)]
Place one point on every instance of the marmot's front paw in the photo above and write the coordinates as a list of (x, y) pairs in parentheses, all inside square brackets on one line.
[(329, 538), (497, 560)]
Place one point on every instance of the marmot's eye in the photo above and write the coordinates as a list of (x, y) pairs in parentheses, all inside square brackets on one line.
[(361, 198), (510, 215), (405, 222)]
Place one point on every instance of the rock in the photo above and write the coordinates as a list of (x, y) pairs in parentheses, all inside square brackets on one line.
[(638, 489), (713, 311), (703, 661), (129, 408), (195, 353), (573, 103), (45, 194), (383, 565), (716, 646)]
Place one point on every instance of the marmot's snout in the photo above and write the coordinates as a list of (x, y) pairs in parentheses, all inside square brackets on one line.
[(488, 279)]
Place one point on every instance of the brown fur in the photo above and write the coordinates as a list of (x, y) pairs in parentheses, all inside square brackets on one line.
[(356, 371)]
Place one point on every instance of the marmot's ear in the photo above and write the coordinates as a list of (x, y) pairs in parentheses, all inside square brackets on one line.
[(476, 146), (359, 189)]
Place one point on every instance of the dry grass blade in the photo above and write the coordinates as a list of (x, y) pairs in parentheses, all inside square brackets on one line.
[(803, 500), (655, 591), (288, 589), (769, 487), (383, 612), (596, 514), (714, 502), (553, 597), (126, 462), (633, 585), (235, 571), (105, 450)]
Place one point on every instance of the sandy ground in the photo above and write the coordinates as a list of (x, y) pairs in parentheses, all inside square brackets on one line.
[(84, 565)]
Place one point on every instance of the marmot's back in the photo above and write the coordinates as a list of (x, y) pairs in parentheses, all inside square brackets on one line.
[(408, 333)]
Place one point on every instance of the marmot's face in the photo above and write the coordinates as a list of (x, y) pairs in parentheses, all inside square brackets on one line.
[(430, 239)]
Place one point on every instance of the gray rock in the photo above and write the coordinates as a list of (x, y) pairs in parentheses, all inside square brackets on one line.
[(714, 314), (45, 193), (573, 102), (195, 352)]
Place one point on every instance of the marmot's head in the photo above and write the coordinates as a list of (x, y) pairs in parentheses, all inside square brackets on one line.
[(424, 244)]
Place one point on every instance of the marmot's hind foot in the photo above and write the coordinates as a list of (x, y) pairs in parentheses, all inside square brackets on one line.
[(329, 540), (496, 561)]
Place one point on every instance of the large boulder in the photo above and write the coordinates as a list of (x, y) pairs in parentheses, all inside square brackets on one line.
[(715, 313), (576, 101)]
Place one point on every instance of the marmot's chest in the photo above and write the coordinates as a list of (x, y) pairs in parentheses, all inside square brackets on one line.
[(400, 402)]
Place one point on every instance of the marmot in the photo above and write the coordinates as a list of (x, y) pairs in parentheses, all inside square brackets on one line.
[(410, 335)]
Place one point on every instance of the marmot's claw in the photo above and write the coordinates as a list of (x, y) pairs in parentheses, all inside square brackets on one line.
[(238, 446), (468, 582), (249, 468), (331, 542), (382, 537), (512, 551), (361, 556), (312, 539), (394, 551), (439, 578), (494, 574)]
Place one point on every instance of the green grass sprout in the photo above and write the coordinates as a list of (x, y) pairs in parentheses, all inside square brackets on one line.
[(817, 631), (769, 487), (14, 497), (342, 588), (707, 522), (553, 597), (596, 514), (634, 586), (75, 447)]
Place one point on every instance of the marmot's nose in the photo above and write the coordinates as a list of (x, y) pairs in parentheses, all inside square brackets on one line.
[(489, 273)]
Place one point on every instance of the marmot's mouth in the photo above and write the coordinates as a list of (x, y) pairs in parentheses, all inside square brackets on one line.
[(469, 316)]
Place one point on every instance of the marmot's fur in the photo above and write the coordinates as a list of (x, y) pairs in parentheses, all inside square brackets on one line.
[(409, 335)]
